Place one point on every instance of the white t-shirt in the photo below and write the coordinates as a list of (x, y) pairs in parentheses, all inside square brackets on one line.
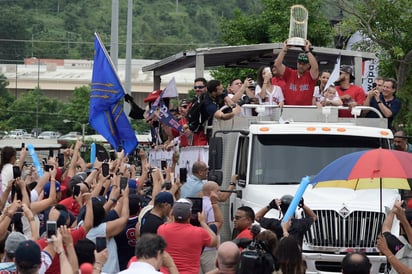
[(272, 97)]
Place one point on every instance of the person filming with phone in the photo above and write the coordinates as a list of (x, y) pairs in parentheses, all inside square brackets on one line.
[(384, 101)]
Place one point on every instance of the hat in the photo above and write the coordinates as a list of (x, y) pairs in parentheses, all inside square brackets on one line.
[(182, 209), (349, 70), (164, 197), (46, 189), (303, 58), (77, 179), (152, 96), (184, 102), (27, 254), (13, 241)]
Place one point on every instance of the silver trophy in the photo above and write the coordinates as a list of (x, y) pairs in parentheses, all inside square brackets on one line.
[(298, 28)]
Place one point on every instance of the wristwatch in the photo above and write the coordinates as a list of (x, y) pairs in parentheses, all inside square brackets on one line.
[(232, 184)]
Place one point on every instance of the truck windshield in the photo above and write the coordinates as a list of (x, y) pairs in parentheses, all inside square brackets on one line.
[(285, 159)]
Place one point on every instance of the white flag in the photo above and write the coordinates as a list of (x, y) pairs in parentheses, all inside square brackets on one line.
[(334, 75), (170, 90)]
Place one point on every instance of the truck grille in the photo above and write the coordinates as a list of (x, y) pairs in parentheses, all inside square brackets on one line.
[(359, 229)]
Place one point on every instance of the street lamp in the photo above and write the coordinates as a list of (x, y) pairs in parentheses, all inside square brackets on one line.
[(82, 125), (37, 91)]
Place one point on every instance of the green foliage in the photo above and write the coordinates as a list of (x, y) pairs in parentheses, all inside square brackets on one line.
[(32, 109), (387, 25), (272, 25)]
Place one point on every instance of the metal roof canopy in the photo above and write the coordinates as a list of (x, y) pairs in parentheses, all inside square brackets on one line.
[(252, 56)]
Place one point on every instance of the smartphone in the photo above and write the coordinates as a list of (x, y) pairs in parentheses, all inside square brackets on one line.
[(374, 85), (100, 243), (112, 155), (23, 145), (183, 175), (123, 182), (51, 227), (76, 190), (119, 148), (16, 172), (163, 164), (60, 159), (51, 153), (105, 169), (48, 167), (197, 206)]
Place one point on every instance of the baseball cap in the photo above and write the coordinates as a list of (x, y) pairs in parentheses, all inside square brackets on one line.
[(152, 96), (303, 58), (27, 254), (164, 197), (349, 70), (184, 102), (46, 189), (182, 209), (13, 241)]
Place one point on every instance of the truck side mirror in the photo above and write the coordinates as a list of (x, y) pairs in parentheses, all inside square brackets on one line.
[(215, 153)]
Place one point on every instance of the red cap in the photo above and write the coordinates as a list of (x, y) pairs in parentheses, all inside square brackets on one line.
[(153, 96)]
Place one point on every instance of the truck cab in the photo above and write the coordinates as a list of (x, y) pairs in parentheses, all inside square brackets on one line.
[(272, 157)]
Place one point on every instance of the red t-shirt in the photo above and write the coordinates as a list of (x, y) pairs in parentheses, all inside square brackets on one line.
[(245, 233), (278, 81), (356, 93), (298, 90), (199, 139), (185, 243), (71, 205), (54, 268)]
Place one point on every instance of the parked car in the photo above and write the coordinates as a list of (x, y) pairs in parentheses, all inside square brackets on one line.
[(18, 134), (3, 134), (71, 136), (49, 135)]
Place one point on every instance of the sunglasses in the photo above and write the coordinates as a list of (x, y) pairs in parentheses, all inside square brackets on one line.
[(198, 87)]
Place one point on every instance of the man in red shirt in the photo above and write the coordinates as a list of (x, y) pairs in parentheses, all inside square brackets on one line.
[(350, 94), (243, 220), (62, 217), (299, 83), (185, 241)]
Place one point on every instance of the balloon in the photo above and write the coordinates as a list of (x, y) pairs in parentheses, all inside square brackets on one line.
[(92, 153), (36, 162), (296, 199)]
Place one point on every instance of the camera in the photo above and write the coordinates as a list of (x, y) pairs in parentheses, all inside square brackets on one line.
[(244, 100)]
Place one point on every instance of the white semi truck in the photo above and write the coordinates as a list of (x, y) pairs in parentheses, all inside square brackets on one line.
[(272, 157)]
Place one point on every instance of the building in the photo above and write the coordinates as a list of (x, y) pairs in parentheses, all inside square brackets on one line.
[(57, 78)]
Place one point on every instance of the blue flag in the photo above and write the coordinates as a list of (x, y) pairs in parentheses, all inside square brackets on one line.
[(106, 114)]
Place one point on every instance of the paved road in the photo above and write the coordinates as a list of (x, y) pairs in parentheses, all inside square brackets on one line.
[(37, 143)]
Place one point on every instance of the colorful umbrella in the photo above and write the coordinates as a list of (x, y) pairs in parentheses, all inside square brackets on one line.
[(376, 168)]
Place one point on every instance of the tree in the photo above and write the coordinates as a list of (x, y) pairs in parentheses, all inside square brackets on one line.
[(77, 110), (272, 25), (33, 109), (386, 24)]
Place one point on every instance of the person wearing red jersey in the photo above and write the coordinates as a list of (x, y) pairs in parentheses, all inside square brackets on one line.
[(299, 83), (350, 94)]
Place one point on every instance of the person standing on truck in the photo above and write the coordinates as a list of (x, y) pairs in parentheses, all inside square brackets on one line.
[(350, 94), (301, 82), (294, 227), (384, 101)]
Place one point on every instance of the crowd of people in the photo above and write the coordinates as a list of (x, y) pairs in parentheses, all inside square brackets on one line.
[(277, 85), (74, 216)]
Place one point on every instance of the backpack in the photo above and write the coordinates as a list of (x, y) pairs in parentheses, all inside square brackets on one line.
[(196, 116)]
